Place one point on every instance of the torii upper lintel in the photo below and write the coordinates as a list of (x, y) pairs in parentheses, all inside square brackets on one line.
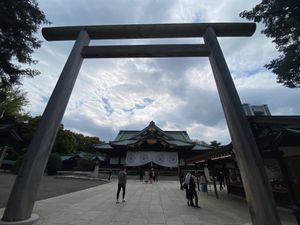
[(136, 31)]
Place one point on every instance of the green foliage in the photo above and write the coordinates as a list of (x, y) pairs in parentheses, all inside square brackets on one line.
[(215, 144), (54, 164), (282, 22), (17, 164), (69, 142), (19, 21), (85, 165), (85, 143), (28, 129), (200, 142), (65, 142), (12, 101)]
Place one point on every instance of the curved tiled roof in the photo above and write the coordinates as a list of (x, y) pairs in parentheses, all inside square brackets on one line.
[(127, 138)]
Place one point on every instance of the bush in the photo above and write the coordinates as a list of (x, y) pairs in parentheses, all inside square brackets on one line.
[(17, 164), (54, 164), (85, 165)]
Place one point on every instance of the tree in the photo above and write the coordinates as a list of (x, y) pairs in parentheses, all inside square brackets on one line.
[(28, 129), (65, 142), (54, 164), (19, 20), (282, 21), (215, 144), (11, 105), (196, 141), (85, 143)]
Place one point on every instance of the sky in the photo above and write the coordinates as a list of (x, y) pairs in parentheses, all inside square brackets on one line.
[(176, 93)]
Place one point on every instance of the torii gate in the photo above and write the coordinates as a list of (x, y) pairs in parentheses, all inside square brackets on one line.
[(259, 196)]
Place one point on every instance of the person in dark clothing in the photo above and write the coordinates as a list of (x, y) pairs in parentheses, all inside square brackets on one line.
[(151, 175), (185, 185), (122, 180), (198, 181), (226, 175), (141, 175), (193, 192), (220, 178), (109, 174), (155, 178), (181, 181)]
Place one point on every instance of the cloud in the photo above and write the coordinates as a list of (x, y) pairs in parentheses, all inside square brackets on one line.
[(177, 93), (137, 106)]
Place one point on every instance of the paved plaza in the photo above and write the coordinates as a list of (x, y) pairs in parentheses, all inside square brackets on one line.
[(155, 204)]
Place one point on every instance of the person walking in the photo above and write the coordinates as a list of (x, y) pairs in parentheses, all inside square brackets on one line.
[(193, 191), (141, 175), (181, 181), (156, 176), (203, 182), (220, 178), (109, 175), (190, 187), (151, 175), (186, 187), (146, 176), (198, 181), (122, 180)]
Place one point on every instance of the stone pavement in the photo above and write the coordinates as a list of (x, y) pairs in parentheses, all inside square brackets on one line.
[(146, 204)]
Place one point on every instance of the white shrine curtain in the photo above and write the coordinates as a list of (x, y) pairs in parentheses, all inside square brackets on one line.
[(167, 159)]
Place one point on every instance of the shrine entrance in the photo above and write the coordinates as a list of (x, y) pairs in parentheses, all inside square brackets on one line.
[(259, 197)]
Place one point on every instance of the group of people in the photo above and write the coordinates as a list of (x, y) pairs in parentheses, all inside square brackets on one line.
[(149, 176), (190, 183)]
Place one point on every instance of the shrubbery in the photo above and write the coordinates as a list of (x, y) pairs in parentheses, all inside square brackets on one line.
[(54, 164), (17, 164), (85, 165)]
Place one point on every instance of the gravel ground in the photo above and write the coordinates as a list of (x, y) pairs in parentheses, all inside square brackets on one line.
[(49, 186)]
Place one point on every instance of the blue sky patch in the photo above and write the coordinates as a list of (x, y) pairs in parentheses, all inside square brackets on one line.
[(108, 109), (45, 98), (144, 104)]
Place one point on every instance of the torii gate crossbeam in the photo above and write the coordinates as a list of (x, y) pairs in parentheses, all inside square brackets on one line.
[(258, 192)]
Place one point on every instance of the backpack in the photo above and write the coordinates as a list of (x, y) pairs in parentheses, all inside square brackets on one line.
[(192, 183)]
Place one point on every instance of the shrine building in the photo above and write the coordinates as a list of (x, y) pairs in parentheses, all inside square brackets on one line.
[(151, 147)]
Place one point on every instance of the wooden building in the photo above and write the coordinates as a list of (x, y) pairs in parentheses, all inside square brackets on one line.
[(151, 147), (278, 140)]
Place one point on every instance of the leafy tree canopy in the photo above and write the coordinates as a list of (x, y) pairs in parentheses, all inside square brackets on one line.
[(85, 143), (66, 141), (282, 21), (12, 101), (196, 141), (19, 21), (215, 144)]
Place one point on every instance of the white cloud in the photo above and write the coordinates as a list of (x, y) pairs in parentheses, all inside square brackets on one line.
[(182, 90)]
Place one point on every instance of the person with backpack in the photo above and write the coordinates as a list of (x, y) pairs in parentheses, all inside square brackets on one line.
[(191, 193)]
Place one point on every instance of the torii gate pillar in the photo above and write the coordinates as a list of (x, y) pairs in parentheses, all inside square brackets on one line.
[(258, 192)]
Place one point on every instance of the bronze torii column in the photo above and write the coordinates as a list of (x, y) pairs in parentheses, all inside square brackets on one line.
[(258, 192)]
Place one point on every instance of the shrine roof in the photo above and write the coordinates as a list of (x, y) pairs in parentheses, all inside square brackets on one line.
[(131, 138), (173, 135)]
